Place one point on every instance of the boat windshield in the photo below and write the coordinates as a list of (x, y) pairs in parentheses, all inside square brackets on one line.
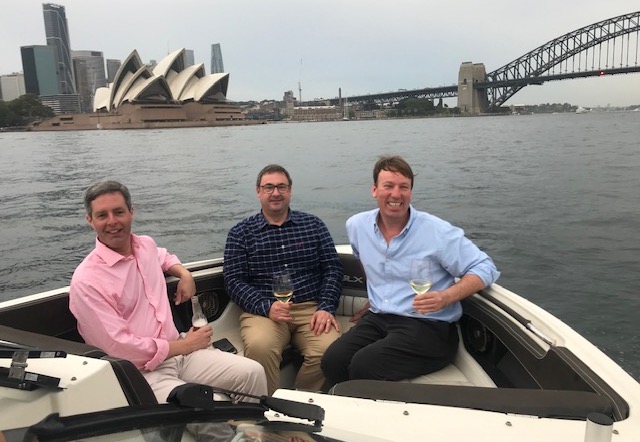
[(230, 431), (191, 414)]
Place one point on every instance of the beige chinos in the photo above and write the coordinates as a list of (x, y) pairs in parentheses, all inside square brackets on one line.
[(264, 340)]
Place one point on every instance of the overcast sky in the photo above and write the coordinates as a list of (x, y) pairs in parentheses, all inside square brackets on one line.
[(362, 46)]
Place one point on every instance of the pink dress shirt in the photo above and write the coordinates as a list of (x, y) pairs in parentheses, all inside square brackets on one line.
[(121, 303)]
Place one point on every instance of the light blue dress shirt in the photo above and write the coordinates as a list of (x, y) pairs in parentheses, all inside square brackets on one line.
[(387, 267)]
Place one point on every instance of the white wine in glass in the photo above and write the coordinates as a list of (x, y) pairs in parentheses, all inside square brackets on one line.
[(282, 287), (420, 276)]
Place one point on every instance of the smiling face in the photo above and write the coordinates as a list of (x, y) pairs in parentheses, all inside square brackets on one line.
[(392, 190), (111, 219)]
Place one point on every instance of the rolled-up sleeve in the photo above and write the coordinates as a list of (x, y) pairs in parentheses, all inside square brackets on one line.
[(460, 257)]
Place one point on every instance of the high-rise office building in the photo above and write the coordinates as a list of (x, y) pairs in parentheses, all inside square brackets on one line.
[(57, 32), (216, 59), (39, 64), (88, 67), (11, 86), (112, 69), (189, 58)]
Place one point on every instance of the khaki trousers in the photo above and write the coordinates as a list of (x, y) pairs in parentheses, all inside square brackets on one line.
[(211, 367), (264, 340)]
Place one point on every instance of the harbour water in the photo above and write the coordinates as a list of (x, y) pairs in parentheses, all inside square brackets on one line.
[(554, 199)]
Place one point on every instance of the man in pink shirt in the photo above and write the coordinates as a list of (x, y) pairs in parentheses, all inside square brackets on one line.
[(119, 297)]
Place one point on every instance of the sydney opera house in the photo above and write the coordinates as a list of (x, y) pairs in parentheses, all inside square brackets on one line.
[(167, 95)]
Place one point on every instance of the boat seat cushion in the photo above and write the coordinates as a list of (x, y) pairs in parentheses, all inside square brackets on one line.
[(464, 371)]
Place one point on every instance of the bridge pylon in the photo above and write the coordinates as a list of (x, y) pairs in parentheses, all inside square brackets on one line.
[(472, 101)]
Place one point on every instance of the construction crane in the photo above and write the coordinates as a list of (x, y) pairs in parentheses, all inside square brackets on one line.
[(300, 84)]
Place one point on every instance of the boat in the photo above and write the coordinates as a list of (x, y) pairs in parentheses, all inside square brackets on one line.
[(520, 374)]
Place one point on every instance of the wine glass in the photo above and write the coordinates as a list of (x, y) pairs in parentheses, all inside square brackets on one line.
[(420, 276), (282, 287)]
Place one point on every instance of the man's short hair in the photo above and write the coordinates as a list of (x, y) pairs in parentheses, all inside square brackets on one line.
[(102, 188), (273, 168), (392, 163)]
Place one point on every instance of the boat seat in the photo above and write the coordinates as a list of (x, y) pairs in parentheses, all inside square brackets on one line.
[(464, 371)]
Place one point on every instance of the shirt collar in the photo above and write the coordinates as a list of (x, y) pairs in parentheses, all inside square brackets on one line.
[(412, 217), (111, 257), (293, 217)]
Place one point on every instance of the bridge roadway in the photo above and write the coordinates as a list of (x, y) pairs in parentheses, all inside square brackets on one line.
[(390, 97), (452, 91)]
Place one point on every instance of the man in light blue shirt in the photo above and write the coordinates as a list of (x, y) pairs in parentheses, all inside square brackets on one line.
[(400, 334)]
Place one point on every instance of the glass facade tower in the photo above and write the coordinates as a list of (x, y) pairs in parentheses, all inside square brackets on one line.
[(39, 67), (217, 66), (57, 33)]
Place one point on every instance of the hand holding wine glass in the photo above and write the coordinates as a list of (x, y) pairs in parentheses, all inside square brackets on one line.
[(282, 287), (420, 277), (280, 310)]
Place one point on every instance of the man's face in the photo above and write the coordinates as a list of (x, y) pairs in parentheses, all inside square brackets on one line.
[(111, 219), (393, 193), (277, 202)]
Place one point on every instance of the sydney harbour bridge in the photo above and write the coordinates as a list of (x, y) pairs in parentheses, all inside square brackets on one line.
[(609, 47)]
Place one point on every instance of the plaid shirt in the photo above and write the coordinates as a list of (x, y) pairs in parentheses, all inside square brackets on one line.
[(255, 250)]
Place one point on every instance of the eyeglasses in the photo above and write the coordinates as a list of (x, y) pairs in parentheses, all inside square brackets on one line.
[(282, 188)]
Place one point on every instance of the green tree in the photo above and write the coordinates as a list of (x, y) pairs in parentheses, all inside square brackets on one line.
[(415, 107), (23, 111), (8, 117)]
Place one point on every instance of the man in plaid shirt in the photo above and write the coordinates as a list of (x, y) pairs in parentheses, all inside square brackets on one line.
[(274, 241)]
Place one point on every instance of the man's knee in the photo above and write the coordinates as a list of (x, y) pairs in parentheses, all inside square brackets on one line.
[(362, 368), (254, 369), (367, 364)]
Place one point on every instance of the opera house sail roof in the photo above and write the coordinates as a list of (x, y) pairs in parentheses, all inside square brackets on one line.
[(169, 82), (168, 95)]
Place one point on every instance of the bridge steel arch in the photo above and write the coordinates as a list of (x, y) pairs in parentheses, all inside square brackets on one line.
[(584, 50)]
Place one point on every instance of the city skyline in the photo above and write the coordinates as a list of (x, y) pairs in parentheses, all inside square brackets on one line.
[(325, 45)]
